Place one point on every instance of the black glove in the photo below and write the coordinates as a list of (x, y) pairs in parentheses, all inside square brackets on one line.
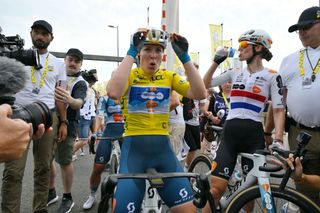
[(136, 44), (220, 55), (180, 46)]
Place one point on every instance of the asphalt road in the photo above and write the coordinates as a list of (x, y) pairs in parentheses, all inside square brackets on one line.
[(80, 189)]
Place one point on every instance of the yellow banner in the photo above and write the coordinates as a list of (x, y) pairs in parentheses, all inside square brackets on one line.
[(216, 37), (194, 57), (227, 64)]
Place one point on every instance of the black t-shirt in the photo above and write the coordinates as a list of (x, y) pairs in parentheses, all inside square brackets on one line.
[(79, 90)]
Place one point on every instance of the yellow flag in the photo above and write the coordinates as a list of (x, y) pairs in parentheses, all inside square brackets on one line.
[(195, 57), (228, 62), (216, 37)]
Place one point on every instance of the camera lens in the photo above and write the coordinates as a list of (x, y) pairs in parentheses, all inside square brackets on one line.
[(35, 113)]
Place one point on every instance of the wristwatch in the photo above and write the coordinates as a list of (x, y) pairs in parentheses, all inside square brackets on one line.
[(66, 122)]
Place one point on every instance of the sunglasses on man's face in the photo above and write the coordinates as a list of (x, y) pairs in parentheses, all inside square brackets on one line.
[(245, 44)]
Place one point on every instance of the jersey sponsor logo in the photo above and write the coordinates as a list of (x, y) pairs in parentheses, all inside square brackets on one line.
[(183, 193), (182, 81), (226, 170), (131, 208), (114, 109), (101, 159), (280, 85), (151, 192), (151, 100), (256, 89), (157, 78), (238, 86), (273, 71)]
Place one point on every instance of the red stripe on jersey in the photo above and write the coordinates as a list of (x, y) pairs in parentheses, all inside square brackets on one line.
[(248, 95)]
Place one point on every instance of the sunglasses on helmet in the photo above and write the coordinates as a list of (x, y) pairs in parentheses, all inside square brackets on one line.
[(245, 44)]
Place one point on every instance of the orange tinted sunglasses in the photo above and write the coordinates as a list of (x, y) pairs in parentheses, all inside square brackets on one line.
[(245, 44)]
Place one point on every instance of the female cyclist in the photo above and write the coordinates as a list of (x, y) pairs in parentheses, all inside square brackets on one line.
[(251, 88), (144, 94)]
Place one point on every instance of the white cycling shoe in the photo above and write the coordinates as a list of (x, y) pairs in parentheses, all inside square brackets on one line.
[(89, 203)]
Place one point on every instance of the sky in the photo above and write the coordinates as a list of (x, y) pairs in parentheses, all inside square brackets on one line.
[(83, 24)]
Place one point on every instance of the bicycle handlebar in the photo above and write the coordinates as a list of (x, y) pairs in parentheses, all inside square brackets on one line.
[(155, 179), (303, 139)]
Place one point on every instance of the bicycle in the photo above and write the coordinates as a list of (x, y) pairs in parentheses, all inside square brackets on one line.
[(264, 193), (151, 201)]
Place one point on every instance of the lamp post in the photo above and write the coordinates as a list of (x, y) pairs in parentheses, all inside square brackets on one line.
[(117, 27)]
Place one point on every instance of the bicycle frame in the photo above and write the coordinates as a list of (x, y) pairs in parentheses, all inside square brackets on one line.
[(250, 179)]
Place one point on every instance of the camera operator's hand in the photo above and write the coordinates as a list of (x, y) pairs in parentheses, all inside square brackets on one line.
[(40, 131), (15, 135)]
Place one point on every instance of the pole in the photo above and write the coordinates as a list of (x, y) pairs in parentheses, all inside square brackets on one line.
[(117, 27), (148, 16), (118, 43)]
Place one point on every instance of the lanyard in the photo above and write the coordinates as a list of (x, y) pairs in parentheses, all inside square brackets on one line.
[(70, 82), (43, 75), (314, 70), (225, 100)]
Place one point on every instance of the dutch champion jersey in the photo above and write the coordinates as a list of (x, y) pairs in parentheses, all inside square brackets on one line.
[(250, 92), (146, 100)]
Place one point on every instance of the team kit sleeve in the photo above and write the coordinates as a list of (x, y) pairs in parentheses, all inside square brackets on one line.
[(276, 91), (180, 85)]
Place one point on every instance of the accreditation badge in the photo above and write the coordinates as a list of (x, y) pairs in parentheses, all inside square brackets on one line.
[(306, 83), (36, 90)]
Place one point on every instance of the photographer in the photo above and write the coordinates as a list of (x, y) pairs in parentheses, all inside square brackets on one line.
[(14, 135), (40, 86)]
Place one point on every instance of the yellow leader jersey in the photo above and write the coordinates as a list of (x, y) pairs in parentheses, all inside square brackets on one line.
[(146, 101)]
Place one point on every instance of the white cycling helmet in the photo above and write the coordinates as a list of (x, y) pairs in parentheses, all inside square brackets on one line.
[(156, 36), (257, 36)]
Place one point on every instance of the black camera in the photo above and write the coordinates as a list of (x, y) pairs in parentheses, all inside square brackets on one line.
[(12, 47), (89, 76), (13, 78), (35, 113)]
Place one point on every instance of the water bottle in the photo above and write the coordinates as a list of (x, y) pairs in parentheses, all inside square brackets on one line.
[(226, 50), (289, 208)]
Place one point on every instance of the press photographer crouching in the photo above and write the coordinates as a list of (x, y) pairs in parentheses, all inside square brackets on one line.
[(18, 122)]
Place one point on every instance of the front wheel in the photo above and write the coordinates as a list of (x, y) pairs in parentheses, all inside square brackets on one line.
[(201, 164), (280, 197)]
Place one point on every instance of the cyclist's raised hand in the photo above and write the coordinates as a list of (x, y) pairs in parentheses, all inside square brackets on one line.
[(136, 42), (180, 46)]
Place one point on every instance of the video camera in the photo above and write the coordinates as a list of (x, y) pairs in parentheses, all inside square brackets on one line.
[(12, 47), (13, 78), (89, 76)]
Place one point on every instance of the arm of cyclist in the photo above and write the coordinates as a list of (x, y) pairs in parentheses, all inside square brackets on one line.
[(310, 181), (180, 46), (278, 117), (275, 120), (174, 100), (219, 57)]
